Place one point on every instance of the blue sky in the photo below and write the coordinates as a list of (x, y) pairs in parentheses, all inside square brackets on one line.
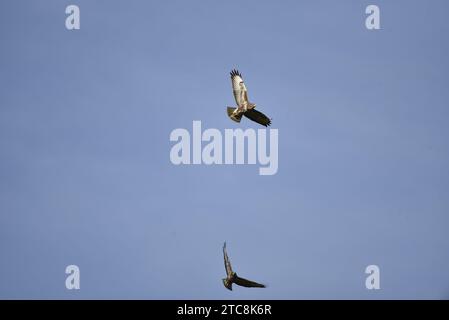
[(86, 178)]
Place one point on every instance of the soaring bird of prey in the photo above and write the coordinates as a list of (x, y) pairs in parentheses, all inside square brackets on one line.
[(244, 107), (231, 276)]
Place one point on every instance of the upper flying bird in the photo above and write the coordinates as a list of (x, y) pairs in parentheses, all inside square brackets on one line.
[(244, 107), (231, 276)]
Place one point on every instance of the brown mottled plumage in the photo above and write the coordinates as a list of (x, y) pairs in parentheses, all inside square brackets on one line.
[(244, 107), (231, 276)]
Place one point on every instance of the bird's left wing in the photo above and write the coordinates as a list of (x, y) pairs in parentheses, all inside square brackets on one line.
[(247, 283), (239, 88), (227, 263)]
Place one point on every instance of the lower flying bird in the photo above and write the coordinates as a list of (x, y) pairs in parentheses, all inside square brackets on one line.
[(244, 107), (231, 276)]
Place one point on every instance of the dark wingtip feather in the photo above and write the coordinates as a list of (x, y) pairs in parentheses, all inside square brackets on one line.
[(235, 73)]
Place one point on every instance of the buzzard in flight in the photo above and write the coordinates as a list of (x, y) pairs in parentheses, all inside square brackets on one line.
[(244, 107), (231, 276)]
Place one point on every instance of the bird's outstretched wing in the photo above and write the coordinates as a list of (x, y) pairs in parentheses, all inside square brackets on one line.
[(239, 88), (247, 283), (227, 263), (258, 117)]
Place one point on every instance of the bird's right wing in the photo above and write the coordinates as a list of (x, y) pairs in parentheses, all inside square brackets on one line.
[(258, 117), (227, 263), (247, 283)]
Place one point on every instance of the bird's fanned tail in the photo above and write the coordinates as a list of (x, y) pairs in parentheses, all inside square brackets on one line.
[(233, 116)]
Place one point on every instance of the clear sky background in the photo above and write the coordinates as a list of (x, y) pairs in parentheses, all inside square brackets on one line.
[(86, 178)]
